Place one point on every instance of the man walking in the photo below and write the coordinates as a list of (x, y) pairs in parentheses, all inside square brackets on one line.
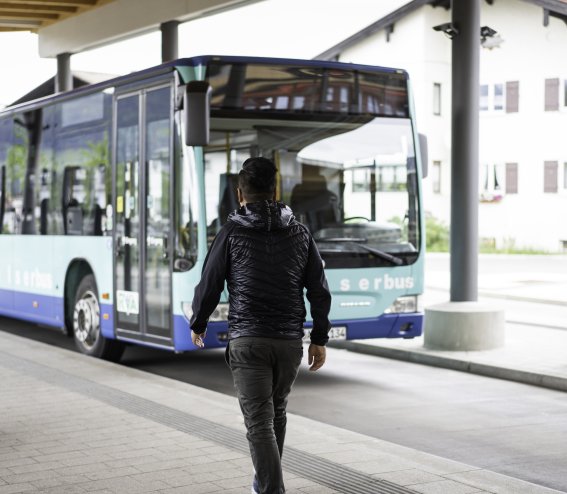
[(267, 259)]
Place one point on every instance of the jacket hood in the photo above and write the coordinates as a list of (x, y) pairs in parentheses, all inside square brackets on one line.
[(263, 215)]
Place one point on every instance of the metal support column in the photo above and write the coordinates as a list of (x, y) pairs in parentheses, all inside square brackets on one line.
[(464, 324), (464, 151), (64, 78), (169, 41)]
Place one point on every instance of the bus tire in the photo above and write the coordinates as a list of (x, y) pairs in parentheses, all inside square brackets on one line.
[(86, 324)]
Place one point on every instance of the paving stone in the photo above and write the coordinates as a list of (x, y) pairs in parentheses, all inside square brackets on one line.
[(317, 489), (15, 488), (58, 481), (234, 482), (445, 487), (409, 477), (195, 489), (112, 472), (30, 476), (64, 489), (35, 467)]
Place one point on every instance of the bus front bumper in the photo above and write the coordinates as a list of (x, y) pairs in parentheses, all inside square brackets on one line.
[(385, 326)]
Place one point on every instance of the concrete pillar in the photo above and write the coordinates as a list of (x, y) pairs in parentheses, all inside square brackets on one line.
[(463, 323), (169, 41), (64, 78)]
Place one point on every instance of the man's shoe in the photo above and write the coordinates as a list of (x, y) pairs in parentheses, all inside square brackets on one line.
[(255, 486)]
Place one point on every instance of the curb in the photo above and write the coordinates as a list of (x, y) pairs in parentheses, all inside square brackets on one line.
[(502, 296), (533, 378)]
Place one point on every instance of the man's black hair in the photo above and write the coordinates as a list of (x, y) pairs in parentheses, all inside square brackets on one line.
[(257, 179)]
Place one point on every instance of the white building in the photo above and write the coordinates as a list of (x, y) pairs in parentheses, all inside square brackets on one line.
[(523, 110)]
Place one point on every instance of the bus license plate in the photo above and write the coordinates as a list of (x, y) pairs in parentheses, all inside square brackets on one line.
[(335, 333)]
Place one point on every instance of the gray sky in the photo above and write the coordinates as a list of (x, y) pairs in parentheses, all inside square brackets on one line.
[(279, 28)]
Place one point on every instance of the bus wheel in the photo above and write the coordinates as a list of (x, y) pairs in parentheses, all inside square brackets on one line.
[(86, 324)]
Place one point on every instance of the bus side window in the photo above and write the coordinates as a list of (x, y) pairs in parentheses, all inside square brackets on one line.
[(2, 195), (72, 199)]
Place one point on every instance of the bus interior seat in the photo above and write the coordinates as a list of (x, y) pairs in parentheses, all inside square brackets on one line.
[(43, 216), (228, 200), (74, 219), (313, 203), (97, 220)]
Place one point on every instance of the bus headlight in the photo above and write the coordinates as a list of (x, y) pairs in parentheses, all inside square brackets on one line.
[(403, 305), (220, 313), (187, 310)]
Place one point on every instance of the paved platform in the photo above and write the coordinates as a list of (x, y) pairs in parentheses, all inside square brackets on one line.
[(536, 356), (535, 351), (74, 424)]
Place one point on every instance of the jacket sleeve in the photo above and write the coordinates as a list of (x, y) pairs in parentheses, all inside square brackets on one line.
[(209, 289), (318, 295)]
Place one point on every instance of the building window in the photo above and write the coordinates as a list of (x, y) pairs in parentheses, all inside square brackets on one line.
[(484, 97), (498, 97), (550, 176), (361, 180), (436, 177), (436, 98), (391, 178), (491, 186), (493, 97), (511, 185)]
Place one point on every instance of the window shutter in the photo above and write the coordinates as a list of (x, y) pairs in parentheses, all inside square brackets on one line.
[(511, 178), (512, 96), (550, 176), (551, 94)]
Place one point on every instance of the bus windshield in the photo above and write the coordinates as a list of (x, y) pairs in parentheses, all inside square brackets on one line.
[(352, 184), (342, 141)]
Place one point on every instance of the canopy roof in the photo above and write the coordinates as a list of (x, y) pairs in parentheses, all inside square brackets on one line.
[(72, 26), (31, 15)]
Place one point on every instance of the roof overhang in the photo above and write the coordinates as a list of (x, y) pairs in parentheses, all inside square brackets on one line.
[(32, 15), (71, 26), (553, 8)]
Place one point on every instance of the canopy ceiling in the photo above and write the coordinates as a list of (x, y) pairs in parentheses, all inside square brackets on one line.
[(31, 15), (72, 26)]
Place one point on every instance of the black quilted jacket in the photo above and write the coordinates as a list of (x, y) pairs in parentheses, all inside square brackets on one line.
[(267, 259)]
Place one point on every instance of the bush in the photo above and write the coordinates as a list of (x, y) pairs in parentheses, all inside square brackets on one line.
[(436, 235), (437, 240)]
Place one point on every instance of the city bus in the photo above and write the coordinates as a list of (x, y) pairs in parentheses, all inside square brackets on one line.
[(110, 195)]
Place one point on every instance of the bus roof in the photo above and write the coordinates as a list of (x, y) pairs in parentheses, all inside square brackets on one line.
[(201, 60)]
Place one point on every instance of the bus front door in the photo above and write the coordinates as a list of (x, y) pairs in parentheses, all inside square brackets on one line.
[(142, 202)]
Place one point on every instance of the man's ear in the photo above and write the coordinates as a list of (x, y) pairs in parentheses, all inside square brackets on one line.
[(240, 195)]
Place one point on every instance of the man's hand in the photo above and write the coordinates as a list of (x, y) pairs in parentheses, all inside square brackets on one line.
[(317, 355), (198, 339)]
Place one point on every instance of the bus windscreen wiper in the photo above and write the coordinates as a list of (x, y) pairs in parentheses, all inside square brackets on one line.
[(360, 242)]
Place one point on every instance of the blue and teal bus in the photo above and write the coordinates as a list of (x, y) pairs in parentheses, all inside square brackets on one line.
[(110, 195)]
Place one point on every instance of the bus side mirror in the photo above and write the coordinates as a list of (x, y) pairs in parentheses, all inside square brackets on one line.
[(423, 154), (197, 105)]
